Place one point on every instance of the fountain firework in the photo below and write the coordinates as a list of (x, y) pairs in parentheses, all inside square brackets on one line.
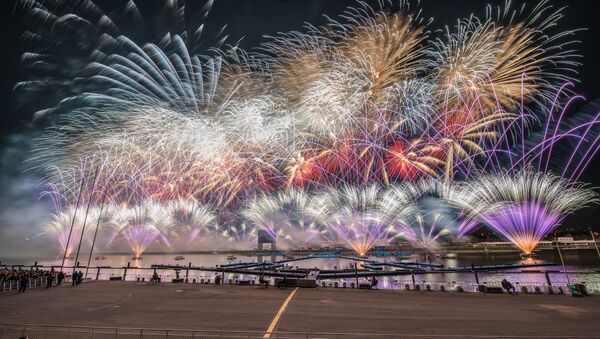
[(68, 224), (355, 216), (425, 231), (193, 220), (288, 217), (428, 216), (525, 207)]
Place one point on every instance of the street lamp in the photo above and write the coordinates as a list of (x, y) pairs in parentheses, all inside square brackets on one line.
[(561, 259), (594, 240)]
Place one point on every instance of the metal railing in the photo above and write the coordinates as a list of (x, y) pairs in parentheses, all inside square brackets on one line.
[(468, 286), (13, 285), (408, 285), (81, 332)]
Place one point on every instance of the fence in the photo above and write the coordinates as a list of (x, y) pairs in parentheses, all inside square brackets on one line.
[(13, 285), (471, 286), (78, 332), (233, 279), (450, 286), (402, 282)]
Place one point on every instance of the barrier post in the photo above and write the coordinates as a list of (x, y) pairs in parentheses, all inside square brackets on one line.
[(125, 270), (475, 272), (548, 278)]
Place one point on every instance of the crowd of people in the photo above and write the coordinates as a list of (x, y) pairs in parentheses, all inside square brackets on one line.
[(25, 277)]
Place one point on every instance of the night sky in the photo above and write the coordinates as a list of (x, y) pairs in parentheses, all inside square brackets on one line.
[(252, 19)]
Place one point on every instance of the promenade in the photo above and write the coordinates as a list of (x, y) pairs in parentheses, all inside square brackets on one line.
[(250, 308)]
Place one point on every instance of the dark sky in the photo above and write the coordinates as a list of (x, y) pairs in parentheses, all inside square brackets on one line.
[(252, 19)]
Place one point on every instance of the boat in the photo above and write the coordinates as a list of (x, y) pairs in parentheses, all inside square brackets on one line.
[(136, 258), (531, 255), (179, 257), (101, 257), (231, 257)]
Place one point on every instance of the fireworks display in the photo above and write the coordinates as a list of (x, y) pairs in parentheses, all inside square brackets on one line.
[(370, 129)]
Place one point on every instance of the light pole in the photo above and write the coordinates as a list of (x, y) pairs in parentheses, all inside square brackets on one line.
[(72, 223), (594, 240), (96, 232), (87, 210), (561, 260)]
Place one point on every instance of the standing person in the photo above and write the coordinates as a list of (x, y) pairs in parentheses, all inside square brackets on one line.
[(49, 279), (373, 282), (79, 277), (74, 278), (59, 278), (511, 287), (506, 285), (23, 281)]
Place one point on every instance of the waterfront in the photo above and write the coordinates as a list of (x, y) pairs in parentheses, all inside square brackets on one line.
[(581, 265)]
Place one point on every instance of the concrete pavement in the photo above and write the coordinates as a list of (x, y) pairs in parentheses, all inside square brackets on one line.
[(250, 308)]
